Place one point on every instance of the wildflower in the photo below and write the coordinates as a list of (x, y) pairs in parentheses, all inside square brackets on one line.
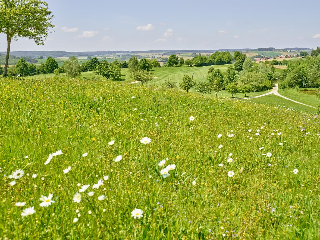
[(75, 220), (26, 157), (77, 197), (65, 171), (102, 197), (51, 155), (20, 204), (137, 213), (230, 135), (230, 174), (230, 160), (105, 178), (28, 211), (12, 183), (280, 144), (261, 148), (118, 158), (89, 212), (46, 200), (191, 118), (100, 183), (250, 130), (220, 165), (90, 194), (34, 175), (257, 134), (269, 154), (164, 171), (145, 140), (194, 183), (220, 146), (171, 167), (162, 163), (85, 154), (165, 175), (295, 171), (17, 174), (230, 154), (220, 135), (104, 210), (111, 143), (83, 188)]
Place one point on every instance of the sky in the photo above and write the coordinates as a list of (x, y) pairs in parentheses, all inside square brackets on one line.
[(102, 25)]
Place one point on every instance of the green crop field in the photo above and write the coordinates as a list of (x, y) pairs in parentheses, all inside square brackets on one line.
[(95, 159)]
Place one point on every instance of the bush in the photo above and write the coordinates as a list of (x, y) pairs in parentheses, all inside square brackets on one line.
[(169, 84), (142, 76), (110, 71), (72, 67), (203, 87), (187, 83)]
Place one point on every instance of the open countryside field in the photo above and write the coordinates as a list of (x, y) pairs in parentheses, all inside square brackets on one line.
[(235, 170), (300, 96)]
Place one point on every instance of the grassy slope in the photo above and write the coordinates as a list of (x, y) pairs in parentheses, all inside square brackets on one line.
[(283, 103), (77, 116), (293, 94)]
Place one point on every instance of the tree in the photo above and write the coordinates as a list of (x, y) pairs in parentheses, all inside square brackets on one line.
[(24, 18), (181, 61), (155, 63), (216, 80), (173, 60), (142, 76), (230, 75), (238, 65), (188, 62), (247, 65), (304, 54), (22, 68), (187, 83), (144, 64), (50, 65), (133, 64), (72, 67), (92, 64), (210, 70), (1, 70), (232, 88), (110, 71)]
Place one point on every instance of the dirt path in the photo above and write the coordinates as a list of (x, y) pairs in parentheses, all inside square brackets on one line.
[(275, 92)]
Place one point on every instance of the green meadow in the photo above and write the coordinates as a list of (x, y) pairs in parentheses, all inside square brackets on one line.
[(83, 159)]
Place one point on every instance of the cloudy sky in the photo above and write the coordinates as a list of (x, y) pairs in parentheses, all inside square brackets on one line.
[(83, 25)]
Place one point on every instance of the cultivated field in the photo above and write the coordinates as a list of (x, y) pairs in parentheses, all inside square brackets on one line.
[(95, 159)]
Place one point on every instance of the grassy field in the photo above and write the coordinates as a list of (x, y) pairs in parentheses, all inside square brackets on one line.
[(293, 94), (283, 103), (241, 170)]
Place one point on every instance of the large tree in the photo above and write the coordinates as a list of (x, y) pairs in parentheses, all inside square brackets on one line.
[(24, 18)]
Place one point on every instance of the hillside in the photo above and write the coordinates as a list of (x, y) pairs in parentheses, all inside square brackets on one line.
[(241, 170)]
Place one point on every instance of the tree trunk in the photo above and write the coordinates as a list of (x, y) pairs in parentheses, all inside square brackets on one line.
[(7, 57)]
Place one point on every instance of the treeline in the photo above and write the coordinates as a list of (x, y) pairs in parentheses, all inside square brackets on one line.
[(302, 73), (13, 59), (243, 77)]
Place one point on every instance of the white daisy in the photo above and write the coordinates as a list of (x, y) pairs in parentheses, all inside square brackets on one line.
[(111, 143), (90, 194), (75, 220), (77, 197), (28, 211), (137, 213), (191, 118), (85, 154), (51, 155), (220, 135), (96, 186), (145, 140), (164, 171), (194, 183), (165, 175), (34, 175), (118, 158), (17, 174), (220, 165), (102, 197), (230, 174), (105, 178), (220, 146), (89, 212), (46, 200), (12, 183), (20, 204), (230, 160), (162, 163), (295, 171), (171, 167), (269, 154), (83, 188), (65, 171)]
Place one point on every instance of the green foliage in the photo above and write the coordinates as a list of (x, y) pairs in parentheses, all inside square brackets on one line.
[(181, 61), (22, 68), (187, 83), (170, 84), (1, 70), (142, 76), (210, 70), (239, 56), (110, 71), (188, 62), (72, 67), (216, 80), (50, 65), (24, 18), (155, 63), (124, 64), (238, 65), (173, 61), (232, 88), (220, 58), (315, 53), (230, 76), (247, 65), (203, 87), (90, 65), (145, 65), (133, 64), (304, 54), (200, 61)]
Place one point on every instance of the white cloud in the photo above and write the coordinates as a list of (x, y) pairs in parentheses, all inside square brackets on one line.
[(65, 29), (106, 38), (161, 40), (223, 31), (181, 39), (168, 33), (106, 29), (88, 34), (149, 27), (236, 36), (316, 36)]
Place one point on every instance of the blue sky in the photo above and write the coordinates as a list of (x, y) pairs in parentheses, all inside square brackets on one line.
[(83, 25)]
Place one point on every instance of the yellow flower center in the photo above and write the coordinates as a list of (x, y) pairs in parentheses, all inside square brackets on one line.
[(48, 200), (137, 214)]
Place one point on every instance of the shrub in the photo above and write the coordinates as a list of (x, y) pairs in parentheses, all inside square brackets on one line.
[(187, 83), (72, 67)]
